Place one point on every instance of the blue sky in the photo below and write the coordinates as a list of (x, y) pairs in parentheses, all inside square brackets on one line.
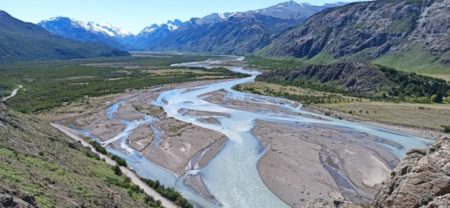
[(132, 15)]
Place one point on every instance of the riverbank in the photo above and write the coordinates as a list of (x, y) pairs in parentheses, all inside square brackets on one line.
[(126, 171)]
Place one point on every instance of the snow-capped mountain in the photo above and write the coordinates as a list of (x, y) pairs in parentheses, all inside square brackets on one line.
[(217, 28), (212, 18), (294, 10), (85, 31), (106, 29), (153, 34), (234, 32), (169, 26)]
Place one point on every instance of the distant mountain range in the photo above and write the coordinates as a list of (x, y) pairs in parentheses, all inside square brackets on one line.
[(24, 41), (231, 33), (404, 34)]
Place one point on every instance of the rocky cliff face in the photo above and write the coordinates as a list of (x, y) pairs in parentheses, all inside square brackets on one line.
[(422, 179), (370, 29)]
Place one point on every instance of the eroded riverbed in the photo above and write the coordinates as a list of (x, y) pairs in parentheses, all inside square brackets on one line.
[(230, 149)]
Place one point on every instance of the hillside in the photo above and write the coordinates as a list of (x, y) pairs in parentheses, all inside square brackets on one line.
[(406, 34), (40, 167), (24, 41), (360, 80)]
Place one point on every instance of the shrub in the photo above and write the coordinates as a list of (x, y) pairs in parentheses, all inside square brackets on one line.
[(98, 147), (120, 161), (446, 129), (117, 170), (437, 98)]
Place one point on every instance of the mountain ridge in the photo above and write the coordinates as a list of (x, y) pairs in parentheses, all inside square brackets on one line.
[(156, 36), (371, 31)]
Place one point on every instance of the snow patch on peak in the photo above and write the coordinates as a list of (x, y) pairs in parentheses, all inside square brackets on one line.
[(150, 29), (170, 25), (174, 25), (103, 28)]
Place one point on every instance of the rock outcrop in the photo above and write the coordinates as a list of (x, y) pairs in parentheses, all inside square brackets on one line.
[(422, 179), (320, 203), (9, 199)]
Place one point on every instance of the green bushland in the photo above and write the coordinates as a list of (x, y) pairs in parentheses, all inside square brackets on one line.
[(52, 84), (407, 87), (266, 63), (169, 193), (414, 86)]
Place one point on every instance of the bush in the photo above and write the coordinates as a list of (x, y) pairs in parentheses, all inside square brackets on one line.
[(117, 170), (437, 98), (92, 155), (120, 161), (148, 199), (446, 129), (99, 148)]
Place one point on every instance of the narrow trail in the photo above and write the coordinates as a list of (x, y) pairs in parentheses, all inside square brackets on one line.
[(126, 171), (13, 93)]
